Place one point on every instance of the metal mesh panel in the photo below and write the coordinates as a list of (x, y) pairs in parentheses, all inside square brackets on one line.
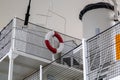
[(69, 70), (30, 40), (35, 76), (5, 39), (101, 55)]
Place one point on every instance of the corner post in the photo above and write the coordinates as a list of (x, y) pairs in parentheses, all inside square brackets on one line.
[(13, 34), (11, 54), (40, 72), (85, 63), (10, 73)]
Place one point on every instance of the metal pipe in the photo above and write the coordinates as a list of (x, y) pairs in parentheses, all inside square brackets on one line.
[(116, 10), (40, 72), (10, 73)]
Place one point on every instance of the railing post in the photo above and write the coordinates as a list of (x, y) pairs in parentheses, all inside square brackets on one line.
[(85, 64), (40, 72), (10, 73), (11, 54), (13, 34)]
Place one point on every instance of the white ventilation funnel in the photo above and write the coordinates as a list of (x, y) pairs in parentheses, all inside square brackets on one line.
[(96, 18)]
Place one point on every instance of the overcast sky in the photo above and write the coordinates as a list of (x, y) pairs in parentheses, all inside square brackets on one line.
[(64, 16)]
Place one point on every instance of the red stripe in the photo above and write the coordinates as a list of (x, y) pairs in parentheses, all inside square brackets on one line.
[(54, 50), (58, 37)]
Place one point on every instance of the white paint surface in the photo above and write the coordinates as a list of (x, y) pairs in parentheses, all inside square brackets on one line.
[(115, 78), (97, 18)]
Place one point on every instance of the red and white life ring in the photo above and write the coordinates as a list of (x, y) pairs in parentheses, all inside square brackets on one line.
[(52, 49)]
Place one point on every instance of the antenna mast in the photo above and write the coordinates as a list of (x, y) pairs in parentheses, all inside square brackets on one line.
[(27, 14)]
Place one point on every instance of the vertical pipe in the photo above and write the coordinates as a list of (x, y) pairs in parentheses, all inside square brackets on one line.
[(10, 73), (40, 72), (11, 55), (53, 57), (85, 65)]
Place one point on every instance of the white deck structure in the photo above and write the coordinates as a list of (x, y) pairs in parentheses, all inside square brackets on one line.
[(24, 56)]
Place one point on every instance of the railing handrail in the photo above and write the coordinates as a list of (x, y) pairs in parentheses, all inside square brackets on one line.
[(49, 29)]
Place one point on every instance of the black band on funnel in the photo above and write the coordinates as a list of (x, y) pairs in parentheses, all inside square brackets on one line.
[(95, 6)]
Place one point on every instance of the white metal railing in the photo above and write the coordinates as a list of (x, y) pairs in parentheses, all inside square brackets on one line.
[(16, 38), (72, 69), (30, 40), (31, 37), (5, 39), (100, 55)]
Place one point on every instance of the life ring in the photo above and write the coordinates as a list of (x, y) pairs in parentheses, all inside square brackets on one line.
[(48, 45)]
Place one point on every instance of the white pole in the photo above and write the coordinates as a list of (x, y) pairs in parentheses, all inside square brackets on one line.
[(13, 34), (40, 72), (85, 65), (53, 57), (11, 62), (12, 55)]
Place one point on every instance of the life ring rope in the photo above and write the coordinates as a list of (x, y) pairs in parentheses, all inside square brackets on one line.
[(48, 36)]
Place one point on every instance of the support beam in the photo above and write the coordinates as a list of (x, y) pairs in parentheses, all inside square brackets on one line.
[(11, 56), (13, 34), (10, 73), (11, 53), (85, 65), (40, 72)]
